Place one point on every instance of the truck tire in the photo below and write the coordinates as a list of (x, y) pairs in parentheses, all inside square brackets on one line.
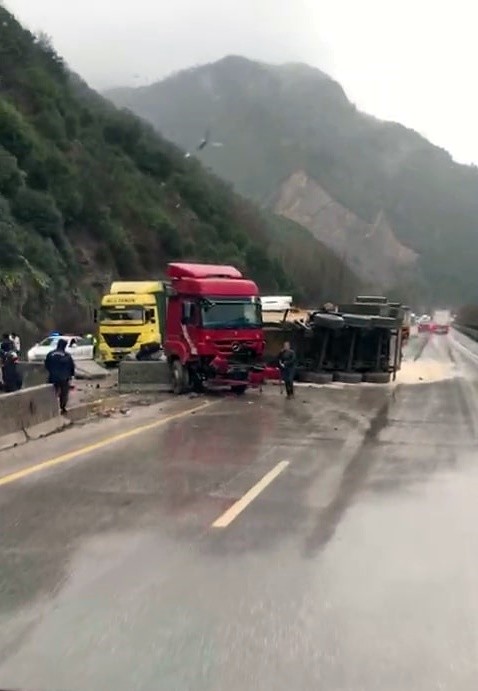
[(348, 377), (361, 321), (239, 390), (377, 377), (384, 322), (328, 321), (179, 378), (316, 377)]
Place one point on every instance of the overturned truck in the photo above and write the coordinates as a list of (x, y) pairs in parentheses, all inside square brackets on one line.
[(350, 343)]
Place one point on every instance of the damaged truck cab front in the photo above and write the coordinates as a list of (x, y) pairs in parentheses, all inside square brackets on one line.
[(214, 334)]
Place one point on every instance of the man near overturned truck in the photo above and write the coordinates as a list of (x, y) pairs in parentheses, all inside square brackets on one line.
[(61, 369), (287, 363)]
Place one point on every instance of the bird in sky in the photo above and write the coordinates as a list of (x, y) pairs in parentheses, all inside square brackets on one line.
[(203, 143)]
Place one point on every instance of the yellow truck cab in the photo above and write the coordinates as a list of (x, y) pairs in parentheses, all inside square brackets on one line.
[(130, 316)]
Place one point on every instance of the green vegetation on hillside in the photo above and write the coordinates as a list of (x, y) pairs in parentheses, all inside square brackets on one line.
[(88, 192), (274, 121)]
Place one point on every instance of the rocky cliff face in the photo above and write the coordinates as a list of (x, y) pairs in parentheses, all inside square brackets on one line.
[(371, 249)]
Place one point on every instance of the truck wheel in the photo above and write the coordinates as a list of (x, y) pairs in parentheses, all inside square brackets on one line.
[(377, 377), (239, 390), (179, 378), (316, 377), (348, 377)]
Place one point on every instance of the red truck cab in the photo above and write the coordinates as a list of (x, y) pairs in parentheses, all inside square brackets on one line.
[(214, 333)]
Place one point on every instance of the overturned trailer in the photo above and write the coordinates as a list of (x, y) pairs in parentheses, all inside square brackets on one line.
[(360, 341)]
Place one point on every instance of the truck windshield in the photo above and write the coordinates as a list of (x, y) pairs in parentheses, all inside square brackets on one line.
[(231, 314), (128, 314)]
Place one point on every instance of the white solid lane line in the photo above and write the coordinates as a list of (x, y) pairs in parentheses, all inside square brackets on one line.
[(238, 507)]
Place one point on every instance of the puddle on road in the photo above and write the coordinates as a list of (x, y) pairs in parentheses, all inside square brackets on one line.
[(425, 371)]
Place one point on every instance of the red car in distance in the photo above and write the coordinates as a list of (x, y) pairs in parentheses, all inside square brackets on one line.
[(424, 324)]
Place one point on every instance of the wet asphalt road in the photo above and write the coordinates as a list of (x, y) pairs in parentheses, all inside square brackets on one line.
[(356, 568)]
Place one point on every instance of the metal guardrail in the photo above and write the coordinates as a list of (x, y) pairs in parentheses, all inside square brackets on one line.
[(467, 331)]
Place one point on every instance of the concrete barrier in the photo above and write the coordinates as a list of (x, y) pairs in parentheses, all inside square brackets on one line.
[(89, 369), (150, 375), (28, 414), (34, 374)]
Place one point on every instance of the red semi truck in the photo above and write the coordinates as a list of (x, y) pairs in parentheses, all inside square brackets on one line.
[(212, 332)]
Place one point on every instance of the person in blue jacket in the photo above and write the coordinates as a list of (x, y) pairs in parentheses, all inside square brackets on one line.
[(61, 370)]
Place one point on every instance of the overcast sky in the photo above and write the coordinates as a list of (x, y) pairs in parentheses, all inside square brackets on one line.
[(413, 61)]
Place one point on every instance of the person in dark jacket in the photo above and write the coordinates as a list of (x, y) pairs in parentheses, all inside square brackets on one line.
[(12, 377), (61, 369), (6, 345), (287, 364)]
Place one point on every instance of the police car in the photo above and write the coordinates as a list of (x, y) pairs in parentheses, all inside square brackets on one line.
[(80, 348)]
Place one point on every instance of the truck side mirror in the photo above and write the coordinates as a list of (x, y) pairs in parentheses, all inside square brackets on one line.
[(95, 316)]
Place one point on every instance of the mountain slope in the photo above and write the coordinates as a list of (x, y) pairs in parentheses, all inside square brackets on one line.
[(277, 123), (88, 193), (371, 249)]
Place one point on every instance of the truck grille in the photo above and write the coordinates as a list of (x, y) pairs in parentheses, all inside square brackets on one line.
[(225, 346), (120, 340), (239, 352)]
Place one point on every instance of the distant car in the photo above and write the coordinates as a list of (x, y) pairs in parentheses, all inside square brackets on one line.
[(79, 348), (424, 324), (440, 328)]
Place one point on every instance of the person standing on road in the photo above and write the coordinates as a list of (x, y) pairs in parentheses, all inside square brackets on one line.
[(61, 369), (287, 364), (12, 377), (6, 346)]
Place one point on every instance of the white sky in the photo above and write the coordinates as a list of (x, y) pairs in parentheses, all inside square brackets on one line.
[(413, 61)]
